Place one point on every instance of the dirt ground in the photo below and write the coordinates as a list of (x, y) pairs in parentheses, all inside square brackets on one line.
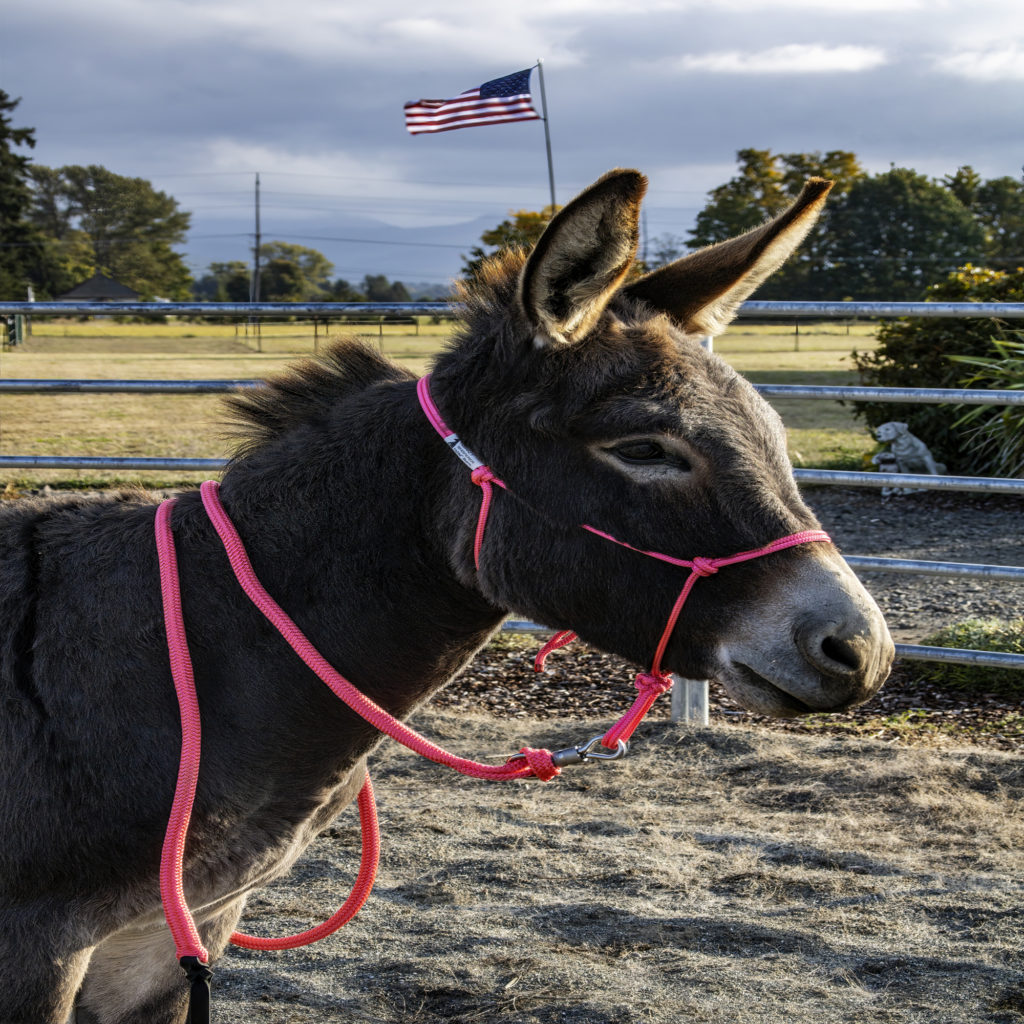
[(724, 874)]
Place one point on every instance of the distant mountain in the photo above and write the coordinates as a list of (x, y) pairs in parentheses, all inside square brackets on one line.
[(424, 259)]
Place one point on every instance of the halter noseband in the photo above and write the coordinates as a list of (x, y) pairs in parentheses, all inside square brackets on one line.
[(650, 684)]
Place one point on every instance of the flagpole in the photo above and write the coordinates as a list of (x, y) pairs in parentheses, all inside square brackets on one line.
[(547, 133)]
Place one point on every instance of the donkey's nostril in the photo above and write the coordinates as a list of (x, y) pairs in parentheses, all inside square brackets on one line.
[(842, 652), (834, 651)]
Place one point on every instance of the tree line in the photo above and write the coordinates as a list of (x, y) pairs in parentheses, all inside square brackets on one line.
[(886, 236), (882, 236), (61, 225)]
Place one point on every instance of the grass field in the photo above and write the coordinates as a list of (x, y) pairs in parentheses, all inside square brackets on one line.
[(822, 434)]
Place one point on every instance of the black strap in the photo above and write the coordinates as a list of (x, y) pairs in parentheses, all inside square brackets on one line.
[(199, 976)]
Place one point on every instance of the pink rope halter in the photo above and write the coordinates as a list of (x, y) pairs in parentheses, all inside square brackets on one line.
[(650, 684)]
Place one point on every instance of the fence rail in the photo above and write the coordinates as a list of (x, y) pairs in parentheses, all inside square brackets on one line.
[(920, 396), (772, 309), (779, 310)]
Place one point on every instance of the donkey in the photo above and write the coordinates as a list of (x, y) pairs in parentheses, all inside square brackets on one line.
[(588, 393)]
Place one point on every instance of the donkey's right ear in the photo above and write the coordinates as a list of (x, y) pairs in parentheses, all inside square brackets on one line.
[(703, 291), (582, 258)]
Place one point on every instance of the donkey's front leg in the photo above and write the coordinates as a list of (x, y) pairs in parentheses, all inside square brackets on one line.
[(37, 985), (134, 976)]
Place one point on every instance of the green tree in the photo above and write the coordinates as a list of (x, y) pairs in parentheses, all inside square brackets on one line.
[(224, 282), (22, 248), (522, 228), (894, 234), (998, 206), (764, 186), (342, 291), (130, 228), (293, 273), (378, 288)]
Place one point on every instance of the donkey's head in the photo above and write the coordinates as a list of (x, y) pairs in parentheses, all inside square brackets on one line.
[(594, 401)]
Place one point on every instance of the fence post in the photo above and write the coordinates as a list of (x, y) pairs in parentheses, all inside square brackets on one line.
[(690, 701), (690, 696)]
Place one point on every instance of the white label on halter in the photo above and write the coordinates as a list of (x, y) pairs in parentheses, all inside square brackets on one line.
[(453, 442)]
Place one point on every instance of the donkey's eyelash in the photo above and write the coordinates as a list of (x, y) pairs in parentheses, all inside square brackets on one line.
[(649, 452)]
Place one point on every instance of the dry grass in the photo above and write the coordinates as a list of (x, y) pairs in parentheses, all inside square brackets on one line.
[(721, 875)]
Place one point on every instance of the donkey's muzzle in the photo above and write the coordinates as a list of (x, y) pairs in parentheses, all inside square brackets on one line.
[(852, 657)]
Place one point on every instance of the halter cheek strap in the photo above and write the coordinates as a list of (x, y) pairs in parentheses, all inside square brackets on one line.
[(649, 684)]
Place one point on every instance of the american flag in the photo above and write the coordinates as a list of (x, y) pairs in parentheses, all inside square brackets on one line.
[(495, 102)]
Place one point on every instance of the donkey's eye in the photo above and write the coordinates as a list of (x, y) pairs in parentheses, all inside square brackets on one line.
[(640, 451)]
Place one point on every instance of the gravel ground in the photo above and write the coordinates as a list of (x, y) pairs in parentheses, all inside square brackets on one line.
[(583, 682)]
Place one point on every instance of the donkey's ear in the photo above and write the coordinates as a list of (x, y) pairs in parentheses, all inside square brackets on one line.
[(702, 291), (582, 258)]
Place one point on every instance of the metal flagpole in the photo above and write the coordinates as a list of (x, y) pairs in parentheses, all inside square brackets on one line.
[(547, 133)]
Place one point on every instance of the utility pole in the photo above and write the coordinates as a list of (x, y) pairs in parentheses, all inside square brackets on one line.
[(254, 287)]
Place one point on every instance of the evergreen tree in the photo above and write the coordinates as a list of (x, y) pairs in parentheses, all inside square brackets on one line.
[(225, 282), (379, 289), (22, 247), (764, 186)]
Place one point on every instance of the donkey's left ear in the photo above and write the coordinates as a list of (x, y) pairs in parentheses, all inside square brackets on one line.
[(702, 291), (582, 258)]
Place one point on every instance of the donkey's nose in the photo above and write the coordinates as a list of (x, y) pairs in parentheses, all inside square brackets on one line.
[(836, 649)]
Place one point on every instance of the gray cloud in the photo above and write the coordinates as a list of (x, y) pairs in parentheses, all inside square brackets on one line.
[(196, 96)]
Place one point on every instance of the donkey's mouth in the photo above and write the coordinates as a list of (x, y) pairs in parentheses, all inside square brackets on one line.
[(759, 694)]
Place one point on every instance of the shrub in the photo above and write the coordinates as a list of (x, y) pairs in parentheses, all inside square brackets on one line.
[(915, 352), (994, 434), (980, 635)]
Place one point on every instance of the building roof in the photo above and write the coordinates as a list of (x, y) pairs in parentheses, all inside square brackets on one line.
[(99, 288)]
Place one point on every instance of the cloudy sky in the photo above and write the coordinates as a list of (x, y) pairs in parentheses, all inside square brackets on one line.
[(199, 95)]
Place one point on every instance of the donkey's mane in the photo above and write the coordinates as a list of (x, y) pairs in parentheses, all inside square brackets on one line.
[(491, 293), (306, 392)]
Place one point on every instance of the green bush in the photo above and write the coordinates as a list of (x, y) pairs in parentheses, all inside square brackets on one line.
[(995, 434), (979, 635), (917, 352)]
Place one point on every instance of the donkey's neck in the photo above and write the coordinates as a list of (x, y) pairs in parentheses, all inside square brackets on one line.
[(351, 525)]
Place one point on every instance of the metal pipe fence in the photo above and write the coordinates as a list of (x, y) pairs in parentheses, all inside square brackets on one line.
[(821, 310), (335, 310)]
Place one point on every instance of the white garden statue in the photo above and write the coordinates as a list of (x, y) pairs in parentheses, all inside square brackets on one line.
[(906, 454)]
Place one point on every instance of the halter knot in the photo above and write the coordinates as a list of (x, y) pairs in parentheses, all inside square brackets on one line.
[(704, 566), (540, 763), (653, 683), (482, 475)]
